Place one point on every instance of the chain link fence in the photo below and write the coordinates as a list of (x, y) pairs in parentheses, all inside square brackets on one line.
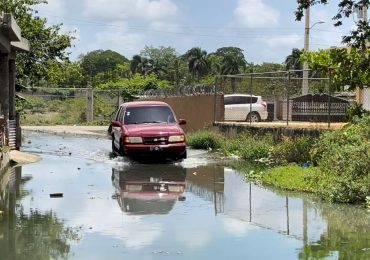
[(269, 96), (281, 94), (39, 106), (365, 98)]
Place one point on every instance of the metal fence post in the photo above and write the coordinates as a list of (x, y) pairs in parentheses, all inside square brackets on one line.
[(119, 99), (329, 97), (250, 105), (215, 100), (287, 100), (90, 104)]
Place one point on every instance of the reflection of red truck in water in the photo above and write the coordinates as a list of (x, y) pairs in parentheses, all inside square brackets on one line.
[(149, 189)]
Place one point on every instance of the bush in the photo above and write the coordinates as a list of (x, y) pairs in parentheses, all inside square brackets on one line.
[(249, 147), (205, 140), (344, 160), (355, 110), (346, 173), (292, 150)]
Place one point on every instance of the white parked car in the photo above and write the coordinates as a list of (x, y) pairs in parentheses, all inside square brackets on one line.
[(238, 108)]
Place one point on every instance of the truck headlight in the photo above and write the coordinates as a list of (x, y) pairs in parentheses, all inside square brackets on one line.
[(134, 140), (176, 138)]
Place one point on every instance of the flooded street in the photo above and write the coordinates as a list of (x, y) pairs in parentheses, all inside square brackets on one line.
[(79, 203)]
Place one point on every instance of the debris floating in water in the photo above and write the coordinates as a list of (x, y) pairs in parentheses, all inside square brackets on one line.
[(56, 195)]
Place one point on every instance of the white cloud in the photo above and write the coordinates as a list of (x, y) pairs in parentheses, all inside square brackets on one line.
[(237, 228), (53, 7), (120, 10), (255, 14), (286, 41), (122, 42)]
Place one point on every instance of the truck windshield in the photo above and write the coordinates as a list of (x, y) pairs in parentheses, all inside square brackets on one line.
[(148, 114)]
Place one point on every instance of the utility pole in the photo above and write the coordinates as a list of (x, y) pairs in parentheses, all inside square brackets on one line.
[(306, 48)]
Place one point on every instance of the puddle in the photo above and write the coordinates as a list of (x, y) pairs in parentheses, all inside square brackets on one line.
[(113, 208)]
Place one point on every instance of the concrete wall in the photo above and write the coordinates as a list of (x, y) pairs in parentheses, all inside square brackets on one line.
[(4, 160), (231, 130), (199, 111)]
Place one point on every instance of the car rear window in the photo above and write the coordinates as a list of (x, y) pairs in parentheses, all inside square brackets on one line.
[(236, 100), (148, 114)]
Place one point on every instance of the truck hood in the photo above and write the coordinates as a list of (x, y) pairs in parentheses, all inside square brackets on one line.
[(153, 129)]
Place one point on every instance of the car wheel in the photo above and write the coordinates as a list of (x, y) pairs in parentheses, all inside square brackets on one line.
[(121, 149), (254, 117), (180, 157), (113, 146)]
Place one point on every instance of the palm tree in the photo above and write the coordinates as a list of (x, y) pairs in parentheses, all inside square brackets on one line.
[(232, 62), (293, 60), (198, 63), (141, 65)]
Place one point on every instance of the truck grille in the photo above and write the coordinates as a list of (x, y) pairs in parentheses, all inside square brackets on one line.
[(155, 140)]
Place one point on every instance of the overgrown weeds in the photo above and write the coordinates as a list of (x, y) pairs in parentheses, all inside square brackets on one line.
[(341, 157)]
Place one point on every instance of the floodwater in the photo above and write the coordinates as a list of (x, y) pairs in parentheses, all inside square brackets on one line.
[(78, 203)]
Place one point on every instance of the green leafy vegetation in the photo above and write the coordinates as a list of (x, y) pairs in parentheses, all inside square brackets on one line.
[(205, 140), (291, 150), (248, 146), (355, 111), (47, 42), (344, 160), (36, 111), (291, 177), (336, 166)]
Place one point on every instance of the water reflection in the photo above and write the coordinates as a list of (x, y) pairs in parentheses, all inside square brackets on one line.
[(207, 182), (148, 189), (162, 211), (326, 230), (21, 235), (346, 235)]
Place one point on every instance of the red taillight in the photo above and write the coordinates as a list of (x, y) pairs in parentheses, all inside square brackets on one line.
[(264, 104)]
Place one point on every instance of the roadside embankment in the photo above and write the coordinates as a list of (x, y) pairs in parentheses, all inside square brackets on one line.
[(21, 158), (4, 159), (277, 129), (100, 131)]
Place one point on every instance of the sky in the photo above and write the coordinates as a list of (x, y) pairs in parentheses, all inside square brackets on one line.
[(265, 30)]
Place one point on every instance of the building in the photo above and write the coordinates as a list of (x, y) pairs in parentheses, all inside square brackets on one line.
[(11, 42)]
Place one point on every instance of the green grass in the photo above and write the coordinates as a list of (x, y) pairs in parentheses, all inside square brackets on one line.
[(205, 140), (291, 177)]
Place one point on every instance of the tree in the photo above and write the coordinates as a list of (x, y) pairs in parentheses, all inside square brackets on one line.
[(135, 85), (163, 58), (357, 38), (100, 61), (141, 65), (177, 72), (351, 66), (293, 60), (272, 85), (65, 74), (348, 67), (265, 67), (232, 60), (198, 63), (46, 42)]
